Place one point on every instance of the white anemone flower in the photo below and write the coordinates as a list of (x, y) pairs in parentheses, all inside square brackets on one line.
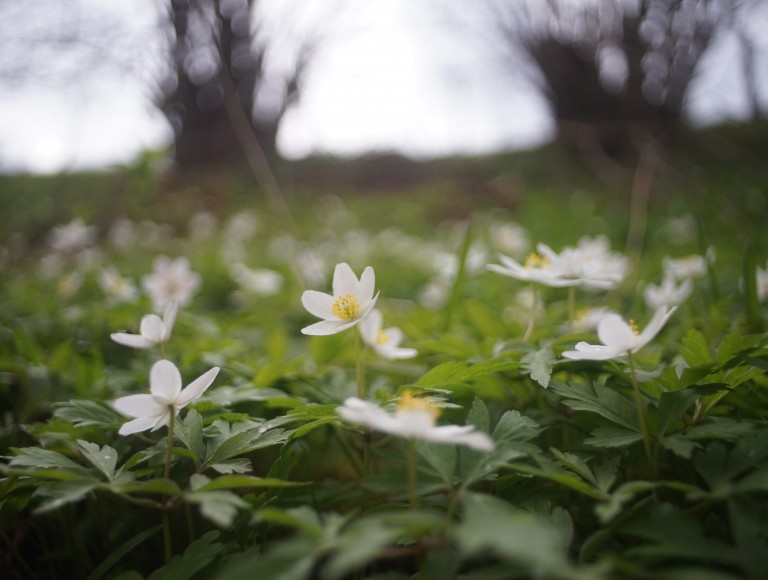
[(619, 337), (171, 280), (536, 268), (667, 294), (152, 331), (384, 341), (351, 302), (414, 419), (166, 396), (762, 284), (116, 286)]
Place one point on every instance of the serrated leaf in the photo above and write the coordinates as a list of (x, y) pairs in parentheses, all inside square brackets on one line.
[(190, 432), (601, 400), (672, 405), (515, 427), (44, 459), (609, 509), (85, 413), (452, 373), (478, 416), (103, 458), (162, 486), (63, 493), (227, 447), (695, 350), (539, 365), (679, 445), (240, 465), (442, 458), (612, 437)]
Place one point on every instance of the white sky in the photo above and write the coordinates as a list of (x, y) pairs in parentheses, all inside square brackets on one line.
[(392, 76)]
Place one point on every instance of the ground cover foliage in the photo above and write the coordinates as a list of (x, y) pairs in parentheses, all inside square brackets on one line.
[(650, 464)]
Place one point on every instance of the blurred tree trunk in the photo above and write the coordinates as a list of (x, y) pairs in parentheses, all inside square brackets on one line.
[(214, 53)]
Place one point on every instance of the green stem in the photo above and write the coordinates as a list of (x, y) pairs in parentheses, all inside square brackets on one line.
[(412, 474), (360, 365), (571, 307), (532, 317), (641, 414), (166, 475)]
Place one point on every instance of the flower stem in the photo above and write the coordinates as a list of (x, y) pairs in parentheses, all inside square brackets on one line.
[(641, 413), (166, 474), (360, 365), (413, 495), (532, 317), (571, 307)]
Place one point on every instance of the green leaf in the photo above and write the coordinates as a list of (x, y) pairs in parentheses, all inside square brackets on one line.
[(227, 446), (695, 350), (63, 493), (220, 507), (452, 373), (245, 481), (672, 405), (515, 427), (198, 555), (601, 400), (478, 416), (162, 486), (104, 458), (609, 509), (441, 457), (84, 413), (518, 537), (44, 459), (539, 365), (190, 432), (291, 559), (680, 446), (240, 465), (612, 437)]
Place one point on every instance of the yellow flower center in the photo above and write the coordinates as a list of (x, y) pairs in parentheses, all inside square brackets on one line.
[(633, 326), (410, 403), (382, 337), (346, 307), (535, 260)]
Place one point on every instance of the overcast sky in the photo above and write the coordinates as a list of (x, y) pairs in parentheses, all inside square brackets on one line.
[(393, 75)]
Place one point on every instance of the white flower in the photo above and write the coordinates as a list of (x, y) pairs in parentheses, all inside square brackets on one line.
[(152, 331), (154, 410), (536, 269), (619, 338), (415, 418), (510, 238), (591, 264), (351, 302), (116, 286), (683, 268), (667, 294), (171, 280), (260, 281), (72, 237), (384, 342)]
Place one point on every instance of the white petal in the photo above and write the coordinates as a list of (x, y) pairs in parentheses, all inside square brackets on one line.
[(345, 281), (152, 328), (395, 336), (518, 272), (391, 352), (459, 435), (196, 388), (131, 340), (370, 327), (658, 321), (613, 331), (369, 414), (326, 327), (169, 318), (139, 406), (367, 285), (165, 380), (546, 251), (140, 424), (318, 304), (586, 351), (367, 308)]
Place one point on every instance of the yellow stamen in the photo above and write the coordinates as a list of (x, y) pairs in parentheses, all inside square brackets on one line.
[(410, 403), (535, 260), (634, 327), (382, 337), (346, 307)]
